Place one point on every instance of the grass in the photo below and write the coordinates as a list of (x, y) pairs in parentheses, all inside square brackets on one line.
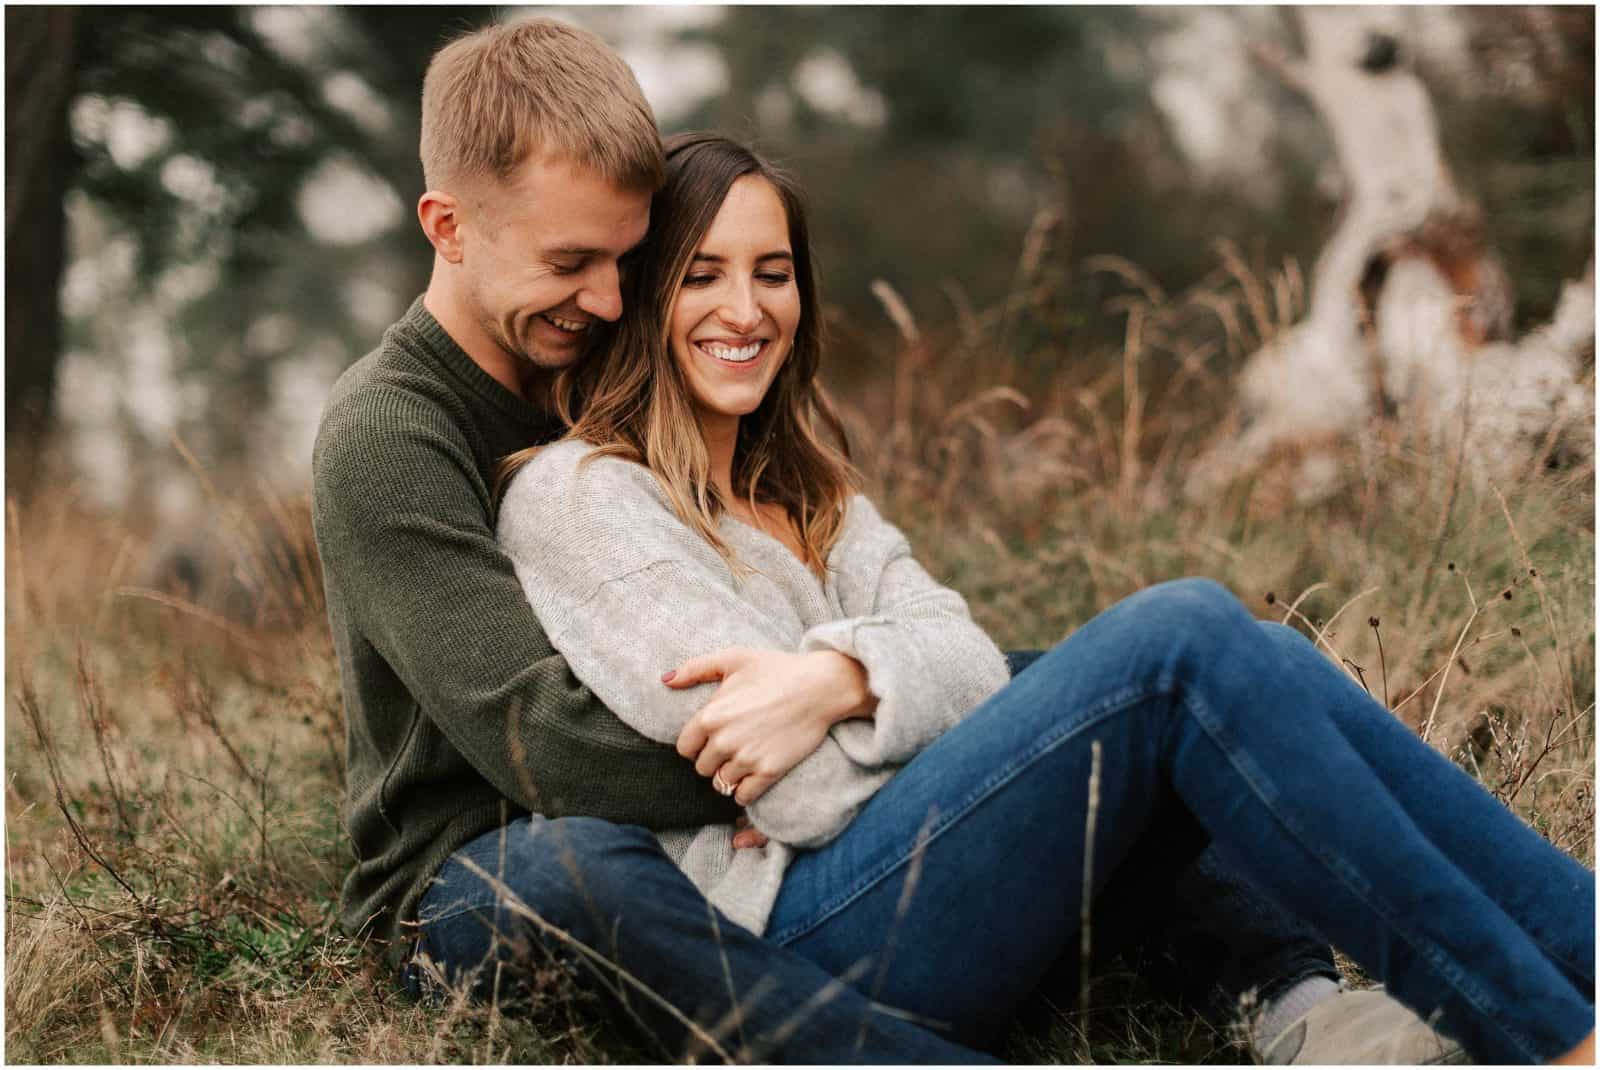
[(174, 736)]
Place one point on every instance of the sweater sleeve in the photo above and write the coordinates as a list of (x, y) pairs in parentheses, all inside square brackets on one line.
[(927, 662), (402, 524), (626, 591)]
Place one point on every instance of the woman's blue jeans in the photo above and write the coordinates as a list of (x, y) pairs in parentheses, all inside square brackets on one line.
[(959, 884)]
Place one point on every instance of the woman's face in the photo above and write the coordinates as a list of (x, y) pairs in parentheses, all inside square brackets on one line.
[(738, 304)]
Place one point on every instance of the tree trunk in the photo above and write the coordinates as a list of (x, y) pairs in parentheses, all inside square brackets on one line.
[(41, 53), (1410, 307)]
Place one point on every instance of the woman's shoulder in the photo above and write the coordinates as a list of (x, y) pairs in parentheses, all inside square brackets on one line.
[(865, 533), (862, 518), (572, 473)]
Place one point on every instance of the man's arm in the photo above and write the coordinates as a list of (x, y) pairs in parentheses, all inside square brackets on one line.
[(402, 526)]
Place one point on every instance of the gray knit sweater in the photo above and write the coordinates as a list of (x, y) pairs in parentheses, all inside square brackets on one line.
[(625, 591)]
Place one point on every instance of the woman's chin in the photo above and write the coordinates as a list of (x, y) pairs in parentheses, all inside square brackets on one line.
[(729, 407)]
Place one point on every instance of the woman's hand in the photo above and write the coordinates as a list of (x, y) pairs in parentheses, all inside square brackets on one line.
[(772, 709), (747, 835)]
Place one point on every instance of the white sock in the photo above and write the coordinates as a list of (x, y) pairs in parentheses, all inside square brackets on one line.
[(1291, 1006)]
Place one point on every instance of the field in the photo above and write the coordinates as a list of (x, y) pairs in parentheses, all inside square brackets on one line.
[(174, 740)]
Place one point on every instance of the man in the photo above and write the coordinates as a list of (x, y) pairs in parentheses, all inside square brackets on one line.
[(491, 796)]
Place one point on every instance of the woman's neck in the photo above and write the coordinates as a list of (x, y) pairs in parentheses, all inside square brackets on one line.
[(721, 434)]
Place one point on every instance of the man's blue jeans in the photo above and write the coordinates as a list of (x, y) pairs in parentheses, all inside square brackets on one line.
[(958, 886)]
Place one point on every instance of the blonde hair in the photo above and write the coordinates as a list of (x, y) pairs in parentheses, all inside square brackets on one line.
[(494, 96), (632, 400)]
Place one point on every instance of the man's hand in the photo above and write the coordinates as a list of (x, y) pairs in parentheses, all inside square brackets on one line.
[(772, 709)]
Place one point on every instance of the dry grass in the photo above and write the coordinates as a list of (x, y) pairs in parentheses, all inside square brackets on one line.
[(173, 745)]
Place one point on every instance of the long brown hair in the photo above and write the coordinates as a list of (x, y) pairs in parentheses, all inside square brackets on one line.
[(631, 400)]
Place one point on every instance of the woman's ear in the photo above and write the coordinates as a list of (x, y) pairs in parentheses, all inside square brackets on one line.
[(440, 216)]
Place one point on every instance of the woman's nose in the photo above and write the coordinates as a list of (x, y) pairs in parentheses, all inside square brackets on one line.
[(741, 312)]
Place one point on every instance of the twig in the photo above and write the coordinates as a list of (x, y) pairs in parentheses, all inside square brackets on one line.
[(1336, 613), (1294, 606), (1086, 897), (733, 1021), (1427, 726), (1382, 661), (1450, 503), (901, 910), (1361, 674), (199, 700), (1562, 660), (92, 703), (29, 703), (233, 632)]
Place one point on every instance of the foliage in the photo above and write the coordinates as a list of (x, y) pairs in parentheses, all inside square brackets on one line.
[(994, 128)]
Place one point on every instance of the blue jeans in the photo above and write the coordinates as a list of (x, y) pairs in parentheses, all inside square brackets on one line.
[(959, 883), (957, 888)]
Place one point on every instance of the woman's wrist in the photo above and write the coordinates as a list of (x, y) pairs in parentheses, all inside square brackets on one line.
[(855, 698)]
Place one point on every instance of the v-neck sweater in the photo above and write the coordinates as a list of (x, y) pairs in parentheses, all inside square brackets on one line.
[(626, 591)]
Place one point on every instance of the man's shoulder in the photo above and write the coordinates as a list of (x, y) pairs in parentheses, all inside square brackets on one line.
[(389, 418), (390, 390)]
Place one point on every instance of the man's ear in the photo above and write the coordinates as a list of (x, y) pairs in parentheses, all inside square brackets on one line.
[(440, 216)]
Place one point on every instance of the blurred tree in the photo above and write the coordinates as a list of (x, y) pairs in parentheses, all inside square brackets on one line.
[(923, 132), (41, 45), (192, 147), (194, 133)]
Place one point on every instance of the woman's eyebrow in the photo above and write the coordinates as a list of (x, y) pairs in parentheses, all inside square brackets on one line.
[(713, 258)]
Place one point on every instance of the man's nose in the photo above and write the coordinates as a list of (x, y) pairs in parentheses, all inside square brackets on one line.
[(602, 298)]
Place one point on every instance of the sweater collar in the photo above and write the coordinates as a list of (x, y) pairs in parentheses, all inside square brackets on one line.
[(465, 371)]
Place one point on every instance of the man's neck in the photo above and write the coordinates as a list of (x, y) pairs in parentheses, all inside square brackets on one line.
[(441, 302), (538, 385)]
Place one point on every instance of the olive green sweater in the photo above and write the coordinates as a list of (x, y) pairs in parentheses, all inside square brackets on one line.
[(459, 714)]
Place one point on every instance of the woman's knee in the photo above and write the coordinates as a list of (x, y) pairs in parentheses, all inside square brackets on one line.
[(1194, 607), (1283, 635)]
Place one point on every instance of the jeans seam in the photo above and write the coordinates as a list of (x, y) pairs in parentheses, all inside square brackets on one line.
[(1107, 707), (1442, 962)]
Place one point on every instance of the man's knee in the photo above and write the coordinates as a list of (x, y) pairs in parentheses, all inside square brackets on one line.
[(577, 870), (559, 870), (538, 883)]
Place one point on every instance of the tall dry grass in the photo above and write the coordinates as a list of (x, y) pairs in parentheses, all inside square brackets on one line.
[(174, 742)]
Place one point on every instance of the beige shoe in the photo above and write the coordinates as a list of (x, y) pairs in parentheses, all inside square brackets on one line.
[(1367, 1027)]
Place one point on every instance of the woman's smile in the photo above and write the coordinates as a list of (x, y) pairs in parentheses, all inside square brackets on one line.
[(735, 354)]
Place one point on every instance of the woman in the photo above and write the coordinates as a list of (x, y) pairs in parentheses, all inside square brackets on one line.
[(695, 507)]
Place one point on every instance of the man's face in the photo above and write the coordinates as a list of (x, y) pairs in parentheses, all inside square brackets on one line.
[(540, 258)]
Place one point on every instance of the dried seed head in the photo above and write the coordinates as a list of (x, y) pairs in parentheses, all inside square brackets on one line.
[(1271, 598), (1506, 594), (1451, 567), (1533, 572), (1372, 621), (1516, 633)]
